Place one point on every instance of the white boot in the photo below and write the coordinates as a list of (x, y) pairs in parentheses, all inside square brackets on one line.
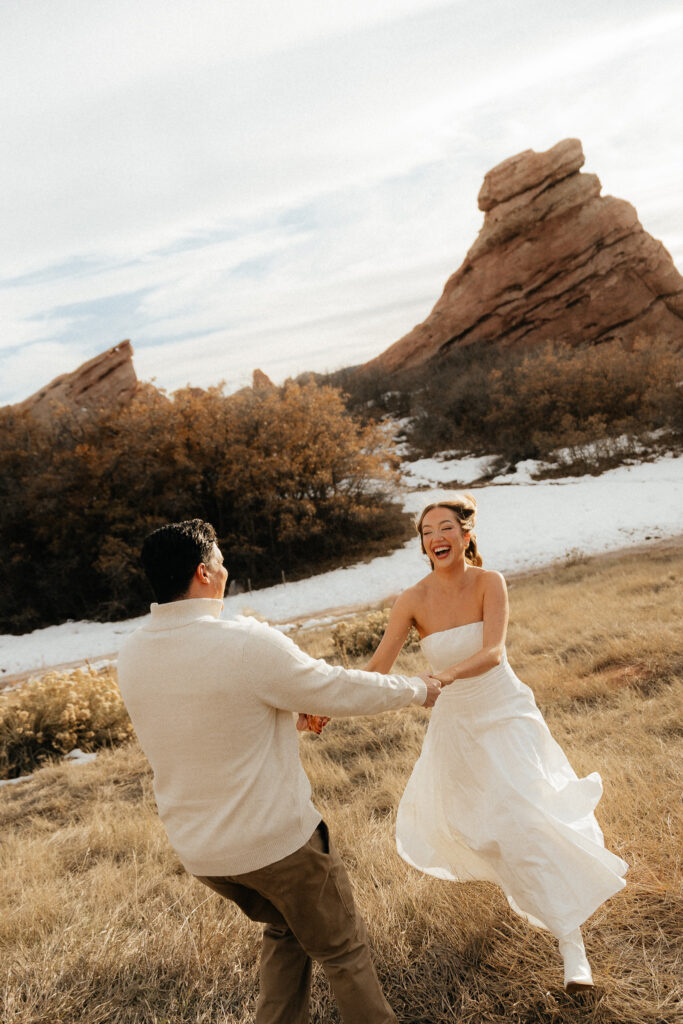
[(577, 972)]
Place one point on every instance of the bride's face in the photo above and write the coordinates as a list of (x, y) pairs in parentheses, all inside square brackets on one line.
[(442, 537)]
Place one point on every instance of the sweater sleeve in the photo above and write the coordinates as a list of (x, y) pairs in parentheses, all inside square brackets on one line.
[(285, 677)]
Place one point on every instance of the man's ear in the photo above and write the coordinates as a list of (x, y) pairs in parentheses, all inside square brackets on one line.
[(201, 575)]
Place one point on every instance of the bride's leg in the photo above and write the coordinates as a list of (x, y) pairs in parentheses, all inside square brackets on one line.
[(577, 972)]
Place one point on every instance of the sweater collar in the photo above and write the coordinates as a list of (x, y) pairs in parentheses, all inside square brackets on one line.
[(174, 614)]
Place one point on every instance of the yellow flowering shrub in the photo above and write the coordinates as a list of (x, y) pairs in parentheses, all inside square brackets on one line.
[(51, 715)]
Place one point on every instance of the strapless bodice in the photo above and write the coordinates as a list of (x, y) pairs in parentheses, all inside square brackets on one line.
[(449, 646)]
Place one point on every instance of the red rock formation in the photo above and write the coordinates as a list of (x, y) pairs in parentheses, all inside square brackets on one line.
[(554, 261), (108, 378)]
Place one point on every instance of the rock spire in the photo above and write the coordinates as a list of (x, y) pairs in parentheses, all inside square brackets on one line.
[(554, 261)]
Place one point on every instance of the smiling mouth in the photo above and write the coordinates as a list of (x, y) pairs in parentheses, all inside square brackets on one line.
[(441, 552)]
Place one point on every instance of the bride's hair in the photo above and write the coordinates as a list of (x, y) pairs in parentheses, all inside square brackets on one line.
[(464, 508)]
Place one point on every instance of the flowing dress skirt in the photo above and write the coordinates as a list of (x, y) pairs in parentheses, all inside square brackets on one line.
[(493, 797)]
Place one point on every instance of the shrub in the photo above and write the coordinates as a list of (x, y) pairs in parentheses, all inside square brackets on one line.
[(592, 401), (562, 397), (48, 717), (362, 635), (288, 478)]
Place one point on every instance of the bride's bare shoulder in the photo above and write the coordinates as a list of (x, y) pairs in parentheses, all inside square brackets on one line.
[(489, 579), (485, 573), (420, 588), (412, 596)]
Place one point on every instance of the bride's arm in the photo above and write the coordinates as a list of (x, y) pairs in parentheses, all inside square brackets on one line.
[(400, 621), (495, 617)]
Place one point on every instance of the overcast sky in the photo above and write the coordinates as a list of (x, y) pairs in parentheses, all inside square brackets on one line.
[(241, 183)]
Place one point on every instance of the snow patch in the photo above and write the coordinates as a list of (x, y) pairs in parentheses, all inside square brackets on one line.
[(13, 782), (75, 756), (447, 468), (523, 473), (78, 756), (523, 525)]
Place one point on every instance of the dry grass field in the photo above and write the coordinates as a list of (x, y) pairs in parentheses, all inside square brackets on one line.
[(99, 923)]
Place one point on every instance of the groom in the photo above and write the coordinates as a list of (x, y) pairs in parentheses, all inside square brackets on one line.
[(212, 704)]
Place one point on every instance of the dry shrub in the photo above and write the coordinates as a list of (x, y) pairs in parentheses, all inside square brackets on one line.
[(100, 925), (48, 717), (580, 399), (360, 636), (586, 406)]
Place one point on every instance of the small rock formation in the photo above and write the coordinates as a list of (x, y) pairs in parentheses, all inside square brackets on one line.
[(260, 381), (554, 261), (103, 381)]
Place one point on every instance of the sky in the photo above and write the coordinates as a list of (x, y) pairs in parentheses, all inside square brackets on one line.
[(234, 184)]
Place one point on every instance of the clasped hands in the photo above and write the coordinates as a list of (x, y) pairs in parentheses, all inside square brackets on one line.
[(316, 723)]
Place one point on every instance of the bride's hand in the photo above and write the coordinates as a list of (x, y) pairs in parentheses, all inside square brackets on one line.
[(311, 723), (433, 690)]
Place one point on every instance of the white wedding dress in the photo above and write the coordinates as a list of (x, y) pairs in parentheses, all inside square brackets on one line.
[(493, 797)]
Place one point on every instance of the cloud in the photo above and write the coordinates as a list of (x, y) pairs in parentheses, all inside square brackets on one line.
[(231, 191), (26, 368)]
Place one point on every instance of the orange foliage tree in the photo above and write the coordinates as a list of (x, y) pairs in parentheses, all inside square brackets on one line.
[(289, 479)]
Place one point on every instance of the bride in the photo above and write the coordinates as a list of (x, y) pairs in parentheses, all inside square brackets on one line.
[(492, 795)]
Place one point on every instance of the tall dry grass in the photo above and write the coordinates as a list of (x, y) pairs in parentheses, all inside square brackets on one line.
[(99, 923)]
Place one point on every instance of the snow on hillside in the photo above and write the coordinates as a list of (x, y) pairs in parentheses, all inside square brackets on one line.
[(441, 470), (521, 525)]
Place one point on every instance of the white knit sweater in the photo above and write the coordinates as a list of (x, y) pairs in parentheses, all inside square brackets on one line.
[(211, 702)]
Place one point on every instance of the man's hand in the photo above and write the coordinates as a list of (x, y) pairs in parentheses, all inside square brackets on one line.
[(433, 690), (311, 723)]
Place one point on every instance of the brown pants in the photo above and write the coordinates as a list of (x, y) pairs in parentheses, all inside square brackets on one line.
[(306, 904)]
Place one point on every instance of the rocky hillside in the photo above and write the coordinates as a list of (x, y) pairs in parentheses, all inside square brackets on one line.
[(554, 261)]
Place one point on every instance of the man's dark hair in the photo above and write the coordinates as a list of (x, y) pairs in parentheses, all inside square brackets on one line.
[(171, 554)]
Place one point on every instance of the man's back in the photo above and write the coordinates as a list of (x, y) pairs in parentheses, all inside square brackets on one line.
[(217, 749), (211, 702)]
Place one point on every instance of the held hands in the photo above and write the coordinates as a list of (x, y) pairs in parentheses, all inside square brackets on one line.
[(311, 723), (433, 690)]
